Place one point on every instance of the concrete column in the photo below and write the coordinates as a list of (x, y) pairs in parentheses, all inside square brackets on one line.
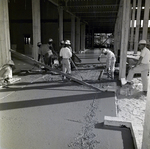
[(73, 32), (146, 18), (36, 27), (78, 35), (124, 38), (83, 37), (132, 28), (4, 33), (60, 23), (146, 130), (136, 39)]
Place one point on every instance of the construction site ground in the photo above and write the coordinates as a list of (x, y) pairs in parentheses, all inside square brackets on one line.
[(42, 111)]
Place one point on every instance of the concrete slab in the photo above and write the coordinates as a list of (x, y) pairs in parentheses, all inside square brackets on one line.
[(53, 114)]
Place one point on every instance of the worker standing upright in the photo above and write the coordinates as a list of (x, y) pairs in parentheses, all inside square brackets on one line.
[(142, 66), (66, 54), (110, 62)]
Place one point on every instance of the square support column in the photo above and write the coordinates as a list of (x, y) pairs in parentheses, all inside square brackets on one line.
[(138, 22), (36, 27), (124, 37), (61, 37), (146, 18), (83, 37), (73, 32), (78, 35), (146, 128), (4, 33)]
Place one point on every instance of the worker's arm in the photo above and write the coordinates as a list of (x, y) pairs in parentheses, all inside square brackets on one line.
[(39, 57), (99, 57), (139, 61)]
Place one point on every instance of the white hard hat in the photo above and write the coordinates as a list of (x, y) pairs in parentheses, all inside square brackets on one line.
[(104, 50), (67, 42), (50, 40), (142, 42), (39, 44)]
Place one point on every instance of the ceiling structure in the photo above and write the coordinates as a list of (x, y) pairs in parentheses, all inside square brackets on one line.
[(100, 15)]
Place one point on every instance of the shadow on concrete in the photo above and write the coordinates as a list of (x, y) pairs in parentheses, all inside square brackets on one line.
[(125, 133), (54, 100)]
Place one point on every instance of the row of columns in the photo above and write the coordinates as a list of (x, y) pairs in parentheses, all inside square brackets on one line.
[(134, 37), (77, 33)]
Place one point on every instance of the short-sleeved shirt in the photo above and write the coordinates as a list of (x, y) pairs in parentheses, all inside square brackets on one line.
[(145, 53), (65, 52)]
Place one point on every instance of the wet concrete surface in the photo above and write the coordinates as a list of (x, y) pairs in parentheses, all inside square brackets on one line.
[(41, 111)]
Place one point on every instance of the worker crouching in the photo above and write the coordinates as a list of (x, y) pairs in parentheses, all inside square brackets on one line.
[(110, 62), (6, 72), (66, 54)]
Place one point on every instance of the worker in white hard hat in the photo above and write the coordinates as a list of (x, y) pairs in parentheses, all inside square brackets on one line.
[(6, 72), (110, 62), (142, 66), (66, 54)]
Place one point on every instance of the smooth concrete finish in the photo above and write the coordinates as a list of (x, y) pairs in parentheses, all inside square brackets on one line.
[(49, 115), (41, 111)]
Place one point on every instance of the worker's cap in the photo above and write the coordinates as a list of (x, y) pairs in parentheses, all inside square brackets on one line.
[(67, 42), (104, 50), (39, 44), (142, 42), (62, 42), (50, 40), (10, 62)]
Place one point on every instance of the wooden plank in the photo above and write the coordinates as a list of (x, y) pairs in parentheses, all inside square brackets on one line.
[(136, 39), (54, 70), (146, 18)]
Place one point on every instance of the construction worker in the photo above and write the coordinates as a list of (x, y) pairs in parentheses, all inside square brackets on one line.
[(66, 54), (45, 52), (110, 62), (6, 72), (39, 44), (142, 66)]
